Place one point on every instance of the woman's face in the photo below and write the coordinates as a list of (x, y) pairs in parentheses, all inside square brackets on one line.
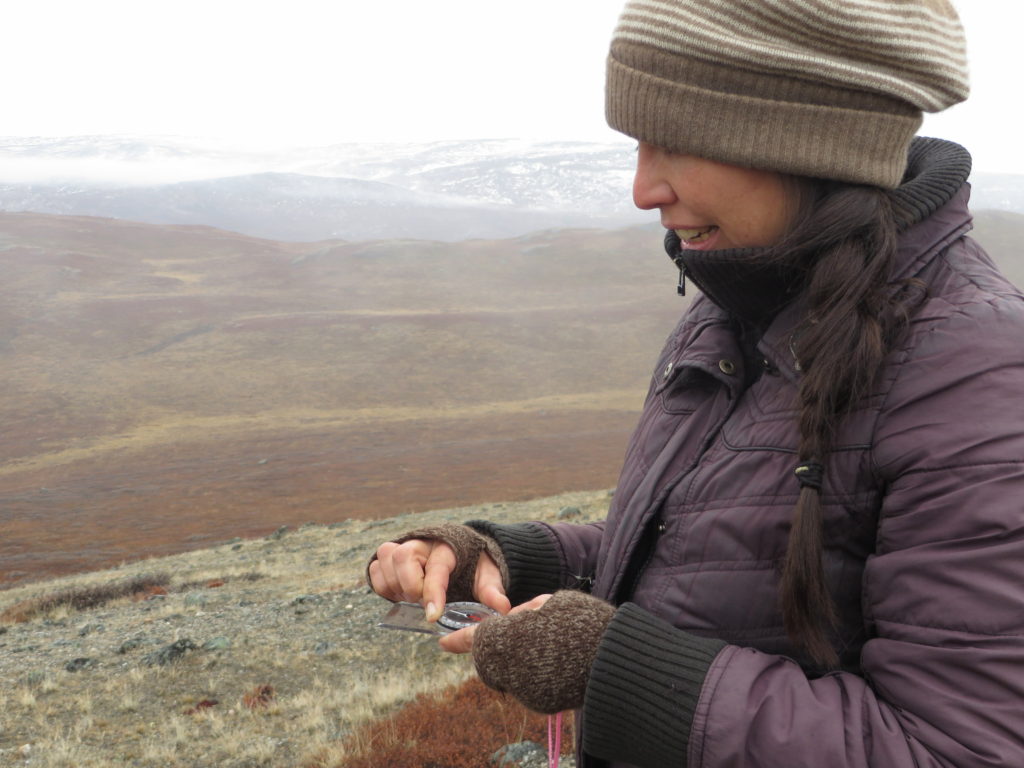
[(710, 205)]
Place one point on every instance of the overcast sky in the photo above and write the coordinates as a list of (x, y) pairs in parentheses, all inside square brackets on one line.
[(317, 72)]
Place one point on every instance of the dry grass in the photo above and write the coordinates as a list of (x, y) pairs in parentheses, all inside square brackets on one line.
[(298, 622), (282, 383), (82, 598)]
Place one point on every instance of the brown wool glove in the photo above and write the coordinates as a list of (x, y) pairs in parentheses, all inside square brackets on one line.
[(543, 657), (467, 544)]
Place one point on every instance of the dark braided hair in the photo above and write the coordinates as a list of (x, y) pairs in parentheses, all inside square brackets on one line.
[(845, 241)]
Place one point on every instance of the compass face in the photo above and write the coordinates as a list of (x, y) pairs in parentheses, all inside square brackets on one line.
[(460, 615)]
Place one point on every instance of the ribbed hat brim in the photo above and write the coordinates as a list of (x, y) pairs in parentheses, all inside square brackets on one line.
[(785, 125)]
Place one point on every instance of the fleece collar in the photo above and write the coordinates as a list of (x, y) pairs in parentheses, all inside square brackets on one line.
[(753, 289)]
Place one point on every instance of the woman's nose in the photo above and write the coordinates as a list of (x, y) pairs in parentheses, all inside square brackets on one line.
[(650, 188)]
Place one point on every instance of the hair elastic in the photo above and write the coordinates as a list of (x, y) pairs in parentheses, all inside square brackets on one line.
[(810, 474)]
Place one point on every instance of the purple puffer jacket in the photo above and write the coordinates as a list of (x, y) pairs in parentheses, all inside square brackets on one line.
[(924, 516)]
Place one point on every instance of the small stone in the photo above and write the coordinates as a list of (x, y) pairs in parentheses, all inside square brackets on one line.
[(169, 653), (322, 647), (567, 513), (220, 643), (76, 665), (130, 645), (519, 754), (276, 535)]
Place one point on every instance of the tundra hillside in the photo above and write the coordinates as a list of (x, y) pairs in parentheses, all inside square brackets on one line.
[(256, 652), (165, 388)]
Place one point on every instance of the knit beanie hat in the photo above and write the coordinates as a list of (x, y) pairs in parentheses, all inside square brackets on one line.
[(827, 88)]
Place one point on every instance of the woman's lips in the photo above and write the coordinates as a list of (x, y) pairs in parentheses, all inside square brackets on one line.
[(698, 238)]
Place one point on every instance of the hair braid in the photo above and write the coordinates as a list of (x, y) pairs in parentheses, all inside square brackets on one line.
[(848, 243)]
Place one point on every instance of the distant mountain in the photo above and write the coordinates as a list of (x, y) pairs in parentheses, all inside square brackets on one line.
[(288, 206), (449, 190), (441, 191)]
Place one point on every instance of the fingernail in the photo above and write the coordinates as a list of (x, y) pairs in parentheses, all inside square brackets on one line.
[(432, 613)]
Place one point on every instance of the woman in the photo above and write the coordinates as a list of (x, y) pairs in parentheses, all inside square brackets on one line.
[(815, 553)]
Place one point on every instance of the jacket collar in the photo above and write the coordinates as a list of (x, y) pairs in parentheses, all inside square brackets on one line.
[(931, 211), (753, 288)]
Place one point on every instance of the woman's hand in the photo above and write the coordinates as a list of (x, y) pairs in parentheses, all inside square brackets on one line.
[(420, 570), (462, 641), (542, 652)]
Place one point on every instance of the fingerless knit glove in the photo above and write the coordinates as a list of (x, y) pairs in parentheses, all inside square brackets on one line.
[(467, 544), (543, 657)]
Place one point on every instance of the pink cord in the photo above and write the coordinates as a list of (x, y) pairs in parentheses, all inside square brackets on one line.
[(554, 739)]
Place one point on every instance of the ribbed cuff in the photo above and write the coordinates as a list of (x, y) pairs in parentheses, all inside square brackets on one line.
[(530, 555), (643, 690)]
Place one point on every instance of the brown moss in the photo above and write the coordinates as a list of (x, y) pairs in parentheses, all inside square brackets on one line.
[(84, 598), (259, 697), (460, 728)]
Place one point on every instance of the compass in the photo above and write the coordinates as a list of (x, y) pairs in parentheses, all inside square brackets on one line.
[(457, 615)]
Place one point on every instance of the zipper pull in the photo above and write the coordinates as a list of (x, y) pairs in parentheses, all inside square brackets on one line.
[(674, 248)]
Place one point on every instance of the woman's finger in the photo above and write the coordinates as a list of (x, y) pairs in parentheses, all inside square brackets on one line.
[(437, 572), (382, 573), (488, 587), (531, 605), (460, 641), (409, 562)]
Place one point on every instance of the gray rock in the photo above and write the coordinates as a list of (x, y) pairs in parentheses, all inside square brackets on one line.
[(169, 653), (527, 754), (519, 755), (567, 513), (278, 534), (76, 665), (130, 644), (220, 643)]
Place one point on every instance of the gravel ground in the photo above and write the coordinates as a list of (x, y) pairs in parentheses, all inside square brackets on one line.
[(130, 682)]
